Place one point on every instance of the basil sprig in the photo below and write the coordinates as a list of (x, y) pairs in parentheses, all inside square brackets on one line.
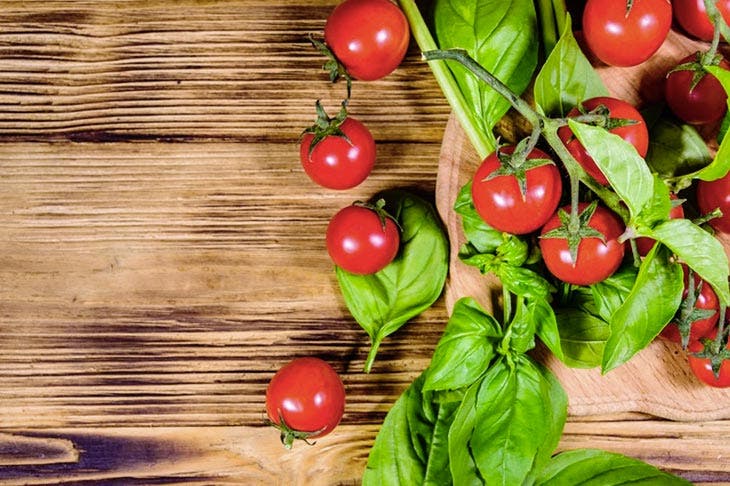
[(384, 301)]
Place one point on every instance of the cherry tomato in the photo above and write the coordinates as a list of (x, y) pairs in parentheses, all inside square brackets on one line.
[(644, 244), (337, 162), (625, 39), (499, 200), (706, 102), (596, 260), (305, 399), (692, 17), (636, 134), (361, 240), (706, 300), (702, 368), (369, 37), (712, 195)]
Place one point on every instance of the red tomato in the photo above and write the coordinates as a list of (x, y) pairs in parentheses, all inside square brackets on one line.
[(636, 134), (644, 244), (305, 399), (621, 39), (702, 368), (500, 203), (369, 37), (706, 102), (706, 300), (335, 162), (712, 195), (595, 260), (362, 241), (692, 16)]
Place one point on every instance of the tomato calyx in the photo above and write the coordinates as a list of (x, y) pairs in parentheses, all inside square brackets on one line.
[(517, 164), (289, 435), (629, 4), (600, 116), (379, 208), (697, 66), (325, 126), (333, 65), (689, 313), (574, 228)]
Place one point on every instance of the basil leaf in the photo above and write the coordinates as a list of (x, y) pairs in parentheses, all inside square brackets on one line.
[(546, 325), (724, 126), (651, 304), (520, 414), (620, 163), (719, 166), (461, 458), (484, 238), (590, 467), (411, 446), (465, 349), (699, 250), (483, 28), (582, 337), (567, 77), (658, 207), (524, 282), (611, 293), (382, 302), (676, 150), (522, 329)]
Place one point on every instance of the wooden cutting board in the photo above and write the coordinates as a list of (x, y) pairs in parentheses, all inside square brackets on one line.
[(656, 381)]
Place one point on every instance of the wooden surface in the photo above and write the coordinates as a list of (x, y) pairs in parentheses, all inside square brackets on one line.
[(162, 252)]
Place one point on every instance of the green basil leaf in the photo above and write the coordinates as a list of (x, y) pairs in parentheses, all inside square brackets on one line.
[(583, 337), (520, 414), (546, 325), (676, 150), (722, 75), (524, 282), (699, 250), (522, 329), (484, 238), (658, 207), (620, 163), (411, 446), (483, 28), (724, 126), (611, 293), (381, 303), (591, 467), (567, 77), (465, 349), (461, 459), (651, 304)]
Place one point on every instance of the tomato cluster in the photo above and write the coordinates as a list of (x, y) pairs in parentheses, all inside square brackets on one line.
[(582, 244), (364, 40)]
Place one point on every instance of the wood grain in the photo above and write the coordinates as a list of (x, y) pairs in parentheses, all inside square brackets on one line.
[(162, 253)]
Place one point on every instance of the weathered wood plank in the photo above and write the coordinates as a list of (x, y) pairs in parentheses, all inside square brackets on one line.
[(163, 70), (254, 455), (164, 284)]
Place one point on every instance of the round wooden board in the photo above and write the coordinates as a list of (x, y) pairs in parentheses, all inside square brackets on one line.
[(656, 381)]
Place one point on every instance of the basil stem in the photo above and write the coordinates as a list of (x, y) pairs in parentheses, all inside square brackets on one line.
[(421, 33)]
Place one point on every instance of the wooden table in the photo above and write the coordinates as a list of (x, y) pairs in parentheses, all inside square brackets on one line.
[(162, 252)]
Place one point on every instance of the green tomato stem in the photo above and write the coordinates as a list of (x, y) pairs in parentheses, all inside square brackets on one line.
[(719, 23), (481, 141), (462, 56)]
